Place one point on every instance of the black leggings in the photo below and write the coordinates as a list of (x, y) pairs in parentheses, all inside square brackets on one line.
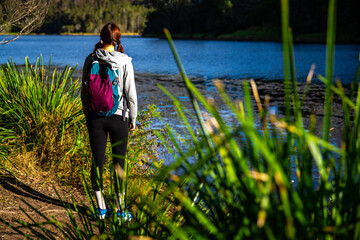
[(98, 128)]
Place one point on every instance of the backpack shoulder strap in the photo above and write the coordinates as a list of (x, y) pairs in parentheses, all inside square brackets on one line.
[(86, 73)]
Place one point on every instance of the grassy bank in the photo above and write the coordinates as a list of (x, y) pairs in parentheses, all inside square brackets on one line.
[(43, 128)]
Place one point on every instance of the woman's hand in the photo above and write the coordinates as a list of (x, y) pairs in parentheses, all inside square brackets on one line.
[(131, 126)]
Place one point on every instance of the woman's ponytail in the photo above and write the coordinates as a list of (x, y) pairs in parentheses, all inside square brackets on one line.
[(100, 44), (120, 47)]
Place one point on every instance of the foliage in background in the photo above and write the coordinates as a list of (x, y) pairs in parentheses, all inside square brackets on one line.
[(86, 16), (209, 19)]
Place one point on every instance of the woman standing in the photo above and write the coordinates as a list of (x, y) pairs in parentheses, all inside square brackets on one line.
[(117, 125)]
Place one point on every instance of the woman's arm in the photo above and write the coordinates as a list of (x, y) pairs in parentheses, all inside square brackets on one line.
[(130, 90)]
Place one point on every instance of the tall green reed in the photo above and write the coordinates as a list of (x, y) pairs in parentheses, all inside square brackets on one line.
[(41, 105), (234, 180), (5, 137)]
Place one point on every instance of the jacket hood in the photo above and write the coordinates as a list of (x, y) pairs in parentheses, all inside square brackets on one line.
[(115, 59)]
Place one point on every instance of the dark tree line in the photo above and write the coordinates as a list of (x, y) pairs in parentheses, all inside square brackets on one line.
[(207, 18), (215, 17), (88, 16)]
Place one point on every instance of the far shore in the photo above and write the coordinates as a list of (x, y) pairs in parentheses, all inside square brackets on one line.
[(242, 35), (71, 34)]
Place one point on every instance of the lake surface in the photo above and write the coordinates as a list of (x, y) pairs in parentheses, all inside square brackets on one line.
[(201, 58)]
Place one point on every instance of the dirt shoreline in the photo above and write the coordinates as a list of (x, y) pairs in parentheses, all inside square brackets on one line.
[(42, 196)]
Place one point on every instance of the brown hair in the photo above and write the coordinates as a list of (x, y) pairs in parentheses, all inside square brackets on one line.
[(110, 34)]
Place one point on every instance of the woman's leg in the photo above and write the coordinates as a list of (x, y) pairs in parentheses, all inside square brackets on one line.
[(98, 138), (118, 131)]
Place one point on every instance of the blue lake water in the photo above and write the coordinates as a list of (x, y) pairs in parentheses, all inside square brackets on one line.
[(201, 58)]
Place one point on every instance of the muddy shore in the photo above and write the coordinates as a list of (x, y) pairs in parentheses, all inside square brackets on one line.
[(313, 101)]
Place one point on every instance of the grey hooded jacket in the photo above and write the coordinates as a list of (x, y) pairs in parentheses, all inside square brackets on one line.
[(116, 60)]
